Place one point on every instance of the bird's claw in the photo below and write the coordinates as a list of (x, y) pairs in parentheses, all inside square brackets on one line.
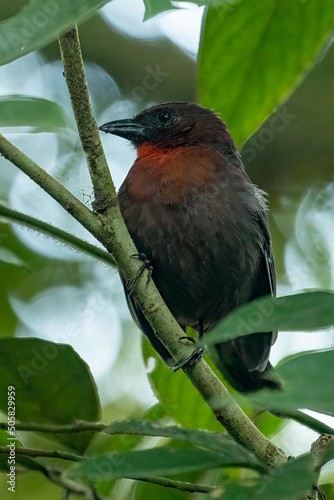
[(190, 361), (146, 265)]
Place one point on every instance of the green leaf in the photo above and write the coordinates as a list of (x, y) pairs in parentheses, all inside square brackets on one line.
[(9, 257), (39, 23), (177, 395), (269, 424), (52, 384), (156, 461), (301, 312), (247, 64), (291, 482), (156, 7), (308, 382), (27, 111), (213, 441)]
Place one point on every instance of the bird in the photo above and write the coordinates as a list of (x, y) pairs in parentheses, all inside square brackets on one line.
[(194, 214)]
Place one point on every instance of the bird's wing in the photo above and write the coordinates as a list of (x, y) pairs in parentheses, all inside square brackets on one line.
[(254, 349), (244, 361)]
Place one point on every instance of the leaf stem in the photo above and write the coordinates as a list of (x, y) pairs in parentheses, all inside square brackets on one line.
[(27, 452), (311, 422), (51, 231), (178, 485)]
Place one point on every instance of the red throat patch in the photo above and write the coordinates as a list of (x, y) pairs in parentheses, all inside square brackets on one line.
[(149, 151), (171, 175)]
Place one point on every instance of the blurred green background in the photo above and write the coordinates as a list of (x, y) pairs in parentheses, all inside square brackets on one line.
[(51, 292)]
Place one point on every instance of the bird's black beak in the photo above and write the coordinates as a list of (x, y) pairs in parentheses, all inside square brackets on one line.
[(128, 129)]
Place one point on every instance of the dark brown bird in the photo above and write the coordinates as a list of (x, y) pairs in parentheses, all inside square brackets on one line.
[(195, 214)]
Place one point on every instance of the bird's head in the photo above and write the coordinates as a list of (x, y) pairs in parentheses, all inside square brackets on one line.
[(174, 124)]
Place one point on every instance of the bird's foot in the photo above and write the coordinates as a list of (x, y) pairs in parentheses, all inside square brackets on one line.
[(191, 360), (146, 265)]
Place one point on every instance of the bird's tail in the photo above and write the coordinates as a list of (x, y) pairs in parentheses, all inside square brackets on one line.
[(236, 373)]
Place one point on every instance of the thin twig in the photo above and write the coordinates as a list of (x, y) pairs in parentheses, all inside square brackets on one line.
[(54, 232), (177, 485), (27, 452)]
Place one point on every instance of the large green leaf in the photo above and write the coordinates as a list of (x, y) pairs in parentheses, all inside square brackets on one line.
[(291, 482), (308, 382), (27, 111), (52, 384), (177, 395), (301, 312), (155, 461), (156, 7), (39, 23), (253, 54), (213, 441)]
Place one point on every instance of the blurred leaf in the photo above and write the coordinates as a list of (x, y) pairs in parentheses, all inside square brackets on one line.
[(32, 486), (329, 490), (308, 382), (301, 312), (291, 482), (177, 395), (10, 257), (268, 424), (27, 111), (52, 385), (156, 461), (155, 7), (213, 441), (39, 23), (247, 66)]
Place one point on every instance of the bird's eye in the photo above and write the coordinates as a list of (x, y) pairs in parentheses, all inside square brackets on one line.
[(164, 117)]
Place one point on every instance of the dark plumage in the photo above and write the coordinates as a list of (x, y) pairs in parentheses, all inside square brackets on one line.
[(192, 209)]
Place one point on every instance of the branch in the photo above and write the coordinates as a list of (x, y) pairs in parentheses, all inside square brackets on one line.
[(109, 228), (104, 190), (319, 451), (54, 232)]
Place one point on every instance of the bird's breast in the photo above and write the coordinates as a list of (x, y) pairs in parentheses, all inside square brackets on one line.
[(203, 248), (173, 175)]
